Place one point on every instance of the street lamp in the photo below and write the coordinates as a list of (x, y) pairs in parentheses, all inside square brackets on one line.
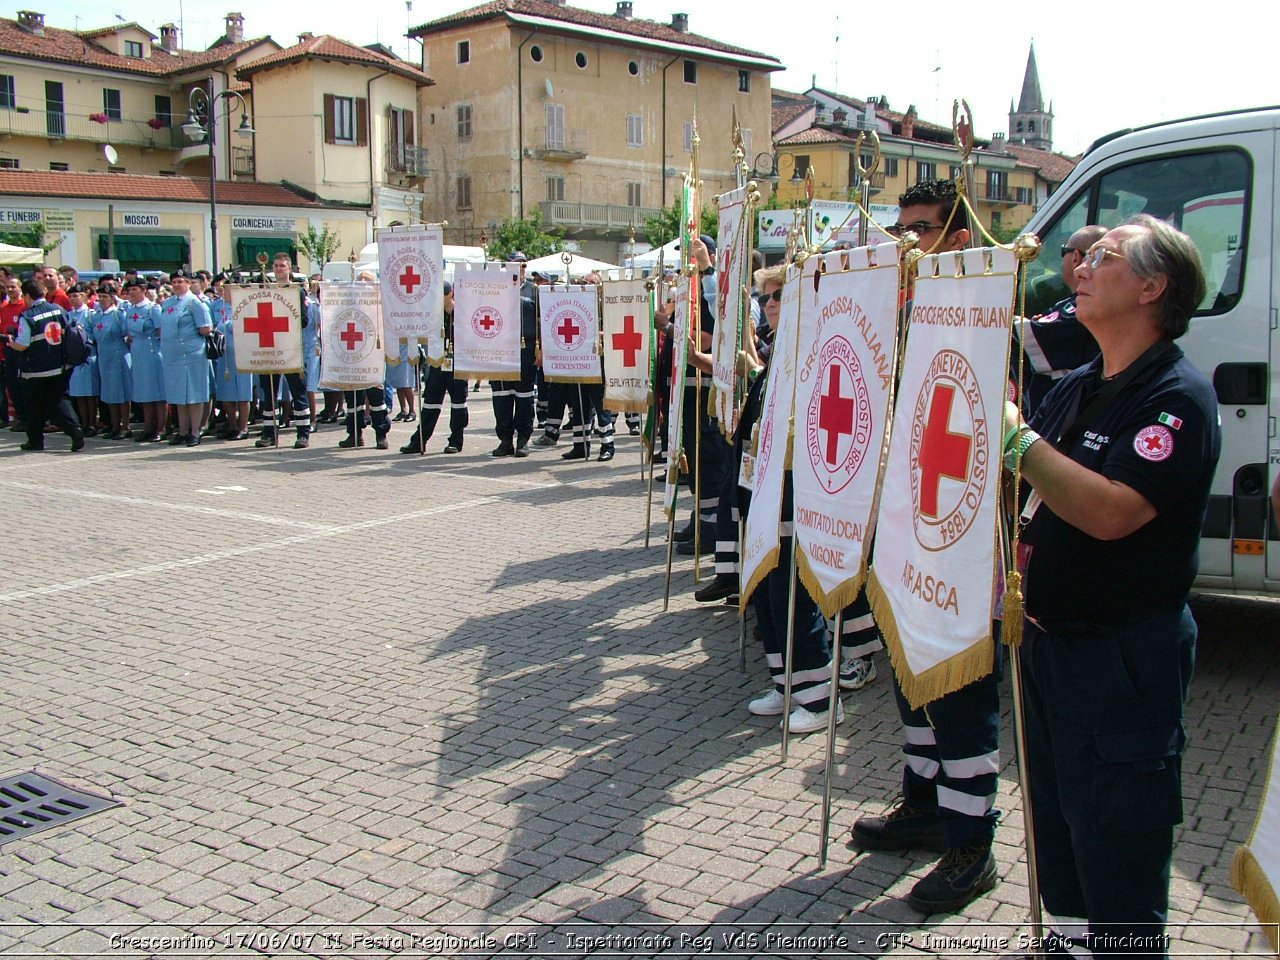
[(766, 166), (202, 122)]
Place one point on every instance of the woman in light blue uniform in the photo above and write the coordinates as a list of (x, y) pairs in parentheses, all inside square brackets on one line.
[(234, 390), (403, 377), (141, 318), (184, 323), (114, 376), (82, 386), (311, 349)]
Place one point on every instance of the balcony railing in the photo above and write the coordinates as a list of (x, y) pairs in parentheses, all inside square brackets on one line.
[(405, 158), (60, 125), (595, 216), (996, 193), (242, 162), (559, 143)]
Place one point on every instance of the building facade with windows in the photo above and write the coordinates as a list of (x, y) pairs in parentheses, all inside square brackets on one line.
[(584, 117)]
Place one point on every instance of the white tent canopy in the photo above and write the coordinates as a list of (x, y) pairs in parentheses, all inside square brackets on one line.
[(553, 265), (10, 254), (649, 259)]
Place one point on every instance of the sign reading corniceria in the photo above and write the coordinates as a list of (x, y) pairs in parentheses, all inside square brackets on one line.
[(269, 224)]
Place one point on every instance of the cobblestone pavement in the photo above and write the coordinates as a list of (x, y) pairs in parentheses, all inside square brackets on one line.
[(353, 700)]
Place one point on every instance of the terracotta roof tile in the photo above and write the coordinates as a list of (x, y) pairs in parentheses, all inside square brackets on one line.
[(121, 186), (576, 16), (67, 46), (104, 31), (780, 94), (1053, 167), (786, 112), (816, 135), (326, 47)]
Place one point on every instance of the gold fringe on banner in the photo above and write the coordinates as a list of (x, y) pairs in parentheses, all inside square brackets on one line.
[(1248, 877), (505, 375), (844, 594), (585, 380), (626, 406), (939, 680), (767, 565)]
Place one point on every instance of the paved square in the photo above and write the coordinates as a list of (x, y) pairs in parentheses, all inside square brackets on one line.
[(357, 688)]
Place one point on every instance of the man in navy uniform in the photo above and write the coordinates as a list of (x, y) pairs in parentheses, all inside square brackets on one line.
[(513, 399), (1120, 457), (42, 362)]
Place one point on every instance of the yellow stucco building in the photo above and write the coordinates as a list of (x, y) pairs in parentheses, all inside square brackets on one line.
[(585, 117)]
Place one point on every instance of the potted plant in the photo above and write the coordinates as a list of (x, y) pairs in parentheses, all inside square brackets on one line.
[(99, 118)]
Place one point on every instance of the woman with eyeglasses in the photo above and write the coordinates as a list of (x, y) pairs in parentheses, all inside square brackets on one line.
[(110, 335)]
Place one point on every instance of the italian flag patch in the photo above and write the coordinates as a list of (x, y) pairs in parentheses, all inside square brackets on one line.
[(1169, 420)]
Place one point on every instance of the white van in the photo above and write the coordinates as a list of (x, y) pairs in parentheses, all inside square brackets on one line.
[(1215, 177)]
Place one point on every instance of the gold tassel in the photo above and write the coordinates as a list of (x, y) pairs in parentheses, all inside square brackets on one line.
[(1011, 632)]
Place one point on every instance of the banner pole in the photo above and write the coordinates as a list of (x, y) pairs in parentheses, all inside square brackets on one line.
[(648, 507), (742, 611), (791, 642), (275, 404), (671, 542), (697, 463), (832, 706)]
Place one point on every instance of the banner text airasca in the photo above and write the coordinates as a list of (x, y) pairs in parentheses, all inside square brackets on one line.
[(930, 589)]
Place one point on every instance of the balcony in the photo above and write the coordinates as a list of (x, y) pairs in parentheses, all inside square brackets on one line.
[(242, 162), (997, 194), (558, 143), (594, 216), (55, 125), (877, 182), (407, 160)]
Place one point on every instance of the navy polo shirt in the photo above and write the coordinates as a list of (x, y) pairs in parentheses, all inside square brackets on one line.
[(1160, 436)]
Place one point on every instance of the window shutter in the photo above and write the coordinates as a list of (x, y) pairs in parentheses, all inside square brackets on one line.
[(330, 121), (362, 122), (410, 137)]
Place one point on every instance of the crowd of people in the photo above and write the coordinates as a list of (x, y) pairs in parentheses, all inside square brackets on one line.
[(1116, 436)]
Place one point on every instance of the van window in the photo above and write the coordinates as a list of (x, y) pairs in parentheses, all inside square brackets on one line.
[(1045, 285), (1205, 195)]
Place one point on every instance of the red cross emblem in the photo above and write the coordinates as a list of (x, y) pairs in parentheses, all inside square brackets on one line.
[(487, 322), (942, 453), (53, 333), (568, 331), (1154, 443), (266, 325), (835, 414), (629, 341), (409, 279), (351, 337)]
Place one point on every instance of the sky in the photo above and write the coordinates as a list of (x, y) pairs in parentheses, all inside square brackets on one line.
[(1105, 67)]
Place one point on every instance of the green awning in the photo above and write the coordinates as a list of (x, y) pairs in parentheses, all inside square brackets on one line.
[(149, 252), (248, 248)]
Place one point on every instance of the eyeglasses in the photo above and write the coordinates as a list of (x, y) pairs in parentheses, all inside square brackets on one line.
[(1095, 257), (776, 297), (1066, 250), (920, 226)]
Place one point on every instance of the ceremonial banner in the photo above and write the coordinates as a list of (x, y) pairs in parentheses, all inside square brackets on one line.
[(486, 321), (351, 355), (1255, 872), (685, 314), (731, 257), (570, 323), (267, 325), (412, 270), (628, 339), (760, 542), (843, 388), (932, 585)]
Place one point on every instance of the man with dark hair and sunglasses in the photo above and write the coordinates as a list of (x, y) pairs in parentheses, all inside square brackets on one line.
[(1120, 457), (1055, 343), (951, 747)]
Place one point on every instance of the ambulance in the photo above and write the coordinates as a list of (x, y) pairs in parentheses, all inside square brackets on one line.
[(1214, 177)]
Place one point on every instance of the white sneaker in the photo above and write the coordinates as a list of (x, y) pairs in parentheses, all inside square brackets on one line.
[(770, 705), (806, 721), (856, 672)]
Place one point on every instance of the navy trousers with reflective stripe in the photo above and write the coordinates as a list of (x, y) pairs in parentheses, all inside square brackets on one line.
[(811, 655)]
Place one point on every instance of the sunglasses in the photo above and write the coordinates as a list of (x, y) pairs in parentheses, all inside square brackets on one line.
[(776, 297), (919, 227), (1066, 250)]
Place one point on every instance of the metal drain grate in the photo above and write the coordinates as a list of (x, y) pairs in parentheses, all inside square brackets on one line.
[(31, 802)]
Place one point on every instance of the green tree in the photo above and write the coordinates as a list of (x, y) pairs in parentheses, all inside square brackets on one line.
[(664, 226), (1005, 234), (525, 235), (32, 236), (318, 245)]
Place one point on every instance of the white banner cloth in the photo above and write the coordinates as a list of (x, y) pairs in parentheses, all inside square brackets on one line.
[(1256, 869), (731, 256), (843, 388), (412, 278), (933, 582), (267, 325), (486, 321), (628, 340), (570, 326), (351, 356)]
